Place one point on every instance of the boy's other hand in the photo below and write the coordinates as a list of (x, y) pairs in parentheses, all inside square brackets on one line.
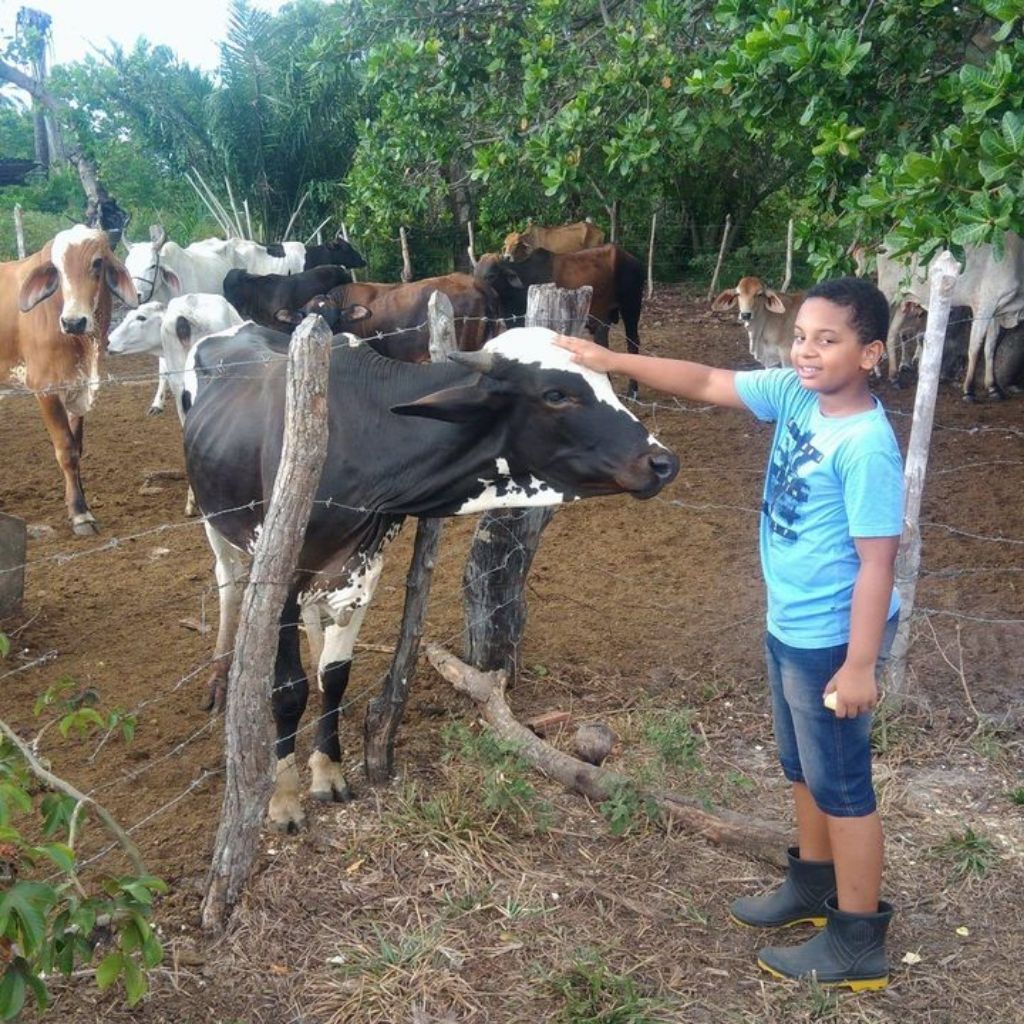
[(856, 691), (587, 353)]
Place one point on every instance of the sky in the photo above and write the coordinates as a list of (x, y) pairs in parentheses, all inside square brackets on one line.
[(192, 28)]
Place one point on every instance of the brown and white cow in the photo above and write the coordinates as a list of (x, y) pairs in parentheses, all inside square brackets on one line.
[(54, 318), (563, 238)]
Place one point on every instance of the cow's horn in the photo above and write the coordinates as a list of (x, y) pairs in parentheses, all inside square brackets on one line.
[(482, 361), (157, 235)]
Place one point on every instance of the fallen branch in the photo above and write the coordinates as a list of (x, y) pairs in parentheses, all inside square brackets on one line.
[(760, 839)]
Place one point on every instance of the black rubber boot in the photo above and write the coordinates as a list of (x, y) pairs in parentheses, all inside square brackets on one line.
[(799, 900), (850, 952)]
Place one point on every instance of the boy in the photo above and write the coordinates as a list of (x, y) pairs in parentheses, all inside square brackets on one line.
[(830, 525)]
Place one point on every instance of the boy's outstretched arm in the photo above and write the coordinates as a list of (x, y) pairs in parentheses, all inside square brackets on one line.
[(854, 683), (695, 381)]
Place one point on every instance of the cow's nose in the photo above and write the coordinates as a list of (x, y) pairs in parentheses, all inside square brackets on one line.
[(746, 315), (72, 325), (664, 464)]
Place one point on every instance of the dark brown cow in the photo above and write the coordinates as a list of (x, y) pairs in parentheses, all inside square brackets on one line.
[(563, 238), (396, 327), (616, 276), (54, 318)]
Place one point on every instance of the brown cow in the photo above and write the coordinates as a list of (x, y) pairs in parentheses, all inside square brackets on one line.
[(564, 238), (54, 317), (396, 326), (767, 317), (616, 276)]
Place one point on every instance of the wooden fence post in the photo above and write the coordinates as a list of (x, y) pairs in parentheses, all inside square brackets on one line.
[(721, 256), (789, 258), (942, 276), (472, 244), (19, 231), (344, 234), (13, 544), (384, 712), (650, 255), (406, 261), (249, 743), (507, 539)]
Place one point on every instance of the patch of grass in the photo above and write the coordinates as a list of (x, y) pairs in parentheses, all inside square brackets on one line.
[(625, 809), (823, 1002), (1017, 796), (592, 993), (970, 853), (987, 743), (674, 739)]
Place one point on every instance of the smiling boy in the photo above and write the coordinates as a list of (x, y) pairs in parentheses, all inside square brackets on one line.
[(830, 522)]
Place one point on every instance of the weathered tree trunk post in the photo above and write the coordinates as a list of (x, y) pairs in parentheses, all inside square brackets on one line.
[(721, 256), (250, 746), (471, 250), (942, 277), (613, 227), (344, 234), (650, 255), (406, 261), (385, 712), (506, 540), (13, 542), (19, 231), (789, 257)]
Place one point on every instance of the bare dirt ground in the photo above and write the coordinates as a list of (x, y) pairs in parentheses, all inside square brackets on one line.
[(425, 901)]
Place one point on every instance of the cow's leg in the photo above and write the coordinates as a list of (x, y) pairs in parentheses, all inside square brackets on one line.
[(346, 609), (992, 389), (893, 348), (157, 405), (231, 570), (289, 698), (974, 347), (631, 325), (66, 433)]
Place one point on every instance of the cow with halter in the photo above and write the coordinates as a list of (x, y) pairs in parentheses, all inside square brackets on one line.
[(54, 317), (514, 425)]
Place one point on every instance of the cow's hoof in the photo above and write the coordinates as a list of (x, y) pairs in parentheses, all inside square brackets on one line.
[(288, 820), (155, 410), (84, 525), (216, 693), (996, 394), (285, 811), (968, 396), (329, 785)]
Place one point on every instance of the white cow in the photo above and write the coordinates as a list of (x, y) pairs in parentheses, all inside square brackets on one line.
[(767, 316), (992, 288), (172, 330)]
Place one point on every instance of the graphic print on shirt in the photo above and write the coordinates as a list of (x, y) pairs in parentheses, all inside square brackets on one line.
[(793, 459)]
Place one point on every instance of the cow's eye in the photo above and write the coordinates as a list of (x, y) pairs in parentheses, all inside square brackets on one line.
[(553, 396), (97, 264), (141, 319)]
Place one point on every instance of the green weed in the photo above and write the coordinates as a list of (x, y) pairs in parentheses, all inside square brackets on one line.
[(593, 994), (970, 853), (674, 740)]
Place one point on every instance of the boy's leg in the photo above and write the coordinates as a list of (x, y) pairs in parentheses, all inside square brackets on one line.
[(857, 844), (812, 826)]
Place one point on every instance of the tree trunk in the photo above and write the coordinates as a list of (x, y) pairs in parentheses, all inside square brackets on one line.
[(462, 215), (507, 539)]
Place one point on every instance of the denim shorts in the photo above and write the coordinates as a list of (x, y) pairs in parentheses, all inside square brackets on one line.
[(831, 756)]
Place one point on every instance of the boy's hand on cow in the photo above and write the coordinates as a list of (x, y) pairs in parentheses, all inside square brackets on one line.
[(587, 353), (856, 691)]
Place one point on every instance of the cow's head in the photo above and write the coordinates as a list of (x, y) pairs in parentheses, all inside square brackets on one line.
[(335, 318), (147, 264), (139, 331), (501, 275), (558, 428), (81, 265), (750, 295), (343, 253)]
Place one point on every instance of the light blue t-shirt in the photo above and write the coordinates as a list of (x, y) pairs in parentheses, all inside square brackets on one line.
[(829, 479)]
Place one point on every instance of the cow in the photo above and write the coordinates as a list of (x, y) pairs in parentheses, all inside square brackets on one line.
[(767, 317), (564, 238), (992, 288), (617, 277), (294, 257), (397, 322), (54, 317), (516, 424), (271, 299)]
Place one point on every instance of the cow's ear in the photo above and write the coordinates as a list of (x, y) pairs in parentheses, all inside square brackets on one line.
[(39, 285), (172, 279), (773, 301), (292, 317), (120, 282), (354, 314), (725, 299), (455, 405)]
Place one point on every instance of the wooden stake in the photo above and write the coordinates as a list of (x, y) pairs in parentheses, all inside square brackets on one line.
[(385, 712), (650, 256), (789, 258), (406, 262), (248, 735), (248, 219), (344, 234), (19, 231), (942, 278), (721, 256), (472, 244)]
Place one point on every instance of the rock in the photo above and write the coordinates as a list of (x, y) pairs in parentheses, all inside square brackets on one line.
[(594, 742), (39, 531)]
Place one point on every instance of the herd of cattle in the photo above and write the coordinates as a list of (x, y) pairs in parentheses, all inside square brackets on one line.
[(509, 421)]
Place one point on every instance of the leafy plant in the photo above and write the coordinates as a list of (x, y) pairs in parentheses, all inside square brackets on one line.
[(972, 854), (592, 993), (1017, 796), (674, 739)]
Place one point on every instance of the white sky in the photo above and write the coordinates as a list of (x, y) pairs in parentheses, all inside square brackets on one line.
[(192, 28)]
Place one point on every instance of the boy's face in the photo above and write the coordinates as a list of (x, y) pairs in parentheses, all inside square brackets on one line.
[(827, 354)]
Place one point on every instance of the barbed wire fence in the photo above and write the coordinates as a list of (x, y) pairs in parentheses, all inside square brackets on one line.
[(985, 622)]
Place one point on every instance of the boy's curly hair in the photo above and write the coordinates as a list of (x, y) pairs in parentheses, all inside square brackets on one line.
[(869, 308)]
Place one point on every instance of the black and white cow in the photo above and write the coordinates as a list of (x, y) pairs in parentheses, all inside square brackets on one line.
[(514, 425)]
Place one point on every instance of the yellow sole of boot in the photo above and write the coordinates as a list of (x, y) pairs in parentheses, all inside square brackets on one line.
[(818, 922), (854, 985)]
